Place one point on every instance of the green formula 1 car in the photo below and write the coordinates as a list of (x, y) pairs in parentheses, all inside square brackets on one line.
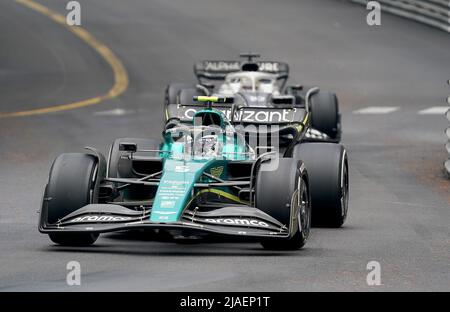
[(204, 178)]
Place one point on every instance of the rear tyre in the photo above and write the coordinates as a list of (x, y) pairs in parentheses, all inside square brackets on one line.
[(325, 115), (171, 95), (114, 168), (283, 193), (327, 166), (185, 97), (70, 187), (123, 169), (173, 89)]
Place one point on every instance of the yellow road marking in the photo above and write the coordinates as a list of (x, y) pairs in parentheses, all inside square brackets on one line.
[(120, 74)]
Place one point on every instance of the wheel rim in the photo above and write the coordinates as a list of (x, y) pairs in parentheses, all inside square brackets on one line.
[(303, 214), (344, 191)]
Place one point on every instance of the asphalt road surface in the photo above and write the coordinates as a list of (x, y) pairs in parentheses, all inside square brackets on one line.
[(399, 204)]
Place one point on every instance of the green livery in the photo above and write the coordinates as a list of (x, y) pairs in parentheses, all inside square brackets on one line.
[(176, 187), (204, 178), (184, 166)]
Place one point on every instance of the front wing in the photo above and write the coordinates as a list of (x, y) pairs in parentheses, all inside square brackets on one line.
[(243, 221)]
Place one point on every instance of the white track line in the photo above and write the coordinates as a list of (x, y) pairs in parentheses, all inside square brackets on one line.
[(113, 112), (435, 110), (377, 110)]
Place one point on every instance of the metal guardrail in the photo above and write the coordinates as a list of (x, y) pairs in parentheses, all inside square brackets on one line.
[(435, 13), (447, 132)]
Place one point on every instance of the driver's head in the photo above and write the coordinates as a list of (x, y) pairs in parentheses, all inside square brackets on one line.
[(240, 83), (207, 146), (264, 85)]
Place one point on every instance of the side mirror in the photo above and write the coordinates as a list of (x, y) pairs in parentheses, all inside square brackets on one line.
[(128, 147)]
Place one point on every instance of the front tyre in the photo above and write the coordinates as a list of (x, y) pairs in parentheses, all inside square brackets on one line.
[(283, 193), (70, 186), (69, 239)]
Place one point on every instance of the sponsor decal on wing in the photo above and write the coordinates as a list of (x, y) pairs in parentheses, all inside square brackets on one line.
[(238, 222), (100, 218), (248, 115), (221, 66)]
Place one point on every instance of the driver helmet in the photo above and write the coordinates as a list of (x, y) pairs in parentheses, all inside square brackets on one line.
[(208, 146)]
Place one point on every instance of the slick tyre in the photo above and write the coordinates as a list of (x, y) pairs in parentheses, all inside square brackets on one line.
[(325, 115), (173, 90), (116, 169), (70, 187), (185, 97), (283, 193), (171, 95), (327, 167)]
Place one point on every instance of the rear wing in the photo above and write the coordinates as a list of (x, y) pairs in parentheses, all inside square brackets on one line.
[(244, 115), (217, 70)]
